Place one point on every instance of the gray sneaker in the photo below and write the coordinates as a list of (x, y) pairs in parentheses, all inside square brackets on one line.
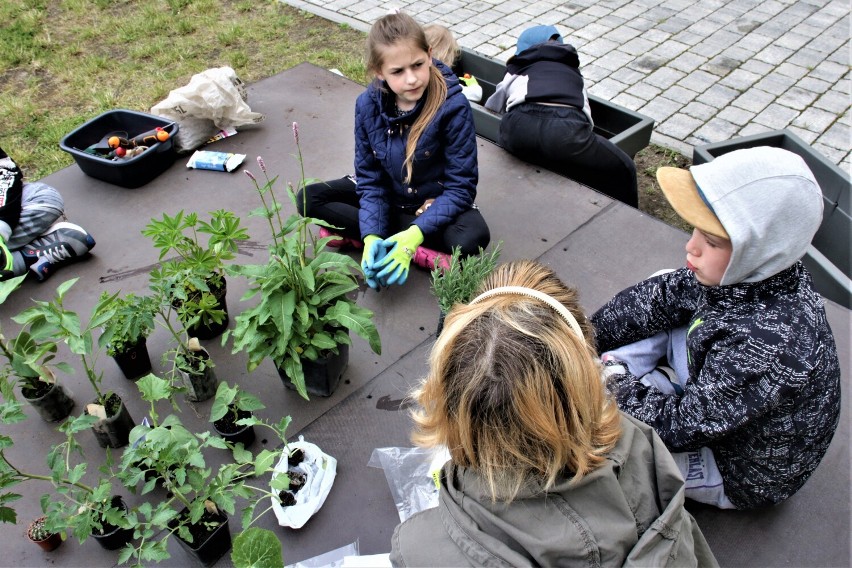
[(63, 243)]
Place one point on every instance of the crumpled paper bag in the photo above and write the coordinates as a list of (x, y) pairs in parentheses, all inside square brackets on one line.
[(212, 100)]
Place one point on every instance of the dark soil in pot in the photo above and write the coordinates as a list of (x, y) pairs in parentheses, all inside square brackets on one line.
[(51, 400), (296, 457), (228, 428), (287, 499)]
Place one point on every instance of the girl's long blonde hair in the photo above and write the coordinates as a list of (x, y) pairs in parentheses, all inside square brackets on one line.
[(389, 30), (513, 392)]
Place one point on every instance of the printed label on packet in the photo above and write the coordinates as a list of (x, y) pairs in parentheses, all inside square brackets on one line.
[(219, 161)]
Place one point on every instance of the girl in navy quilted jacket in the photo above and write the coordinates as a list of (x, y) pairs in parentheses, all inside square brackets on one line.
[(412, 196)]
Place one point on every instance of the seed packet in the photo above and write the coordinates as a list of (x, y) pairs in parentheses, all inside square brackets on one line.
[(219, 161)]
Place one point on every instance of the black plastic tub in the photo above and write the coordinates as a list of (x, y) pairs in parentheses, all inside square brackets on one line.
[(131, 172)]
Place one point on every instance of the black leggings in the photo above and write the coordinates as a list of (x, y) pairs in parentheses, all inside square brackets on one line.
[(562, 140), (336, 202)]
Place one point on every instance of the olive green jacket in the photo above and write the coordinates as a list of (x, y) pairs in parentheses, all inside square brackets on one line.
[(629, 512)]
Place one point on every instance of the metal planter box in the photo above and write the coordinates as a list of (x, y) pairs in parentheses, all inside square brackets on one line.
[(829, 257), (628, 130)]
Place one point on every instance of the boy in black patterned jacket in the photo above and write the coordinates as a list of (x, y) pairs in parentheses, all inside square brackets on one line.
[(753, 399)]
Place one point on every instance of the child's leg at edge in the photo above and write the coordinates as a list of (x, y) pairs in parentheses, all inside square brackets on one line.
[(335, 202)]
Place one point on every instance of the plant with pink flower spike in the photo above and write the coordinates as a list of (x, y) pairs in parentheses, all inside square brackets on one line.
[(305, 310)]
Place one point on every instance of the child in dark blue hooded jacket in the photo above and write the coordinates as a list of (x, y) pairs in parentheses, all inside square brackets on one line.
[(548, 120), (412, 196)]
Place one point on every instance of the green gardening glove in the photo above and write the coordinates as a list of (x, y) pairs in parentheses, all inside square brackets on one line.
[(373, 252), (393, 268), (6, 262)]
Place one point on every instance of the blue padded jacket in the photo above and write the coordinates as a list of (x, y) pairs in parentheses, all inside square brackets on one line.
[(445, 166)]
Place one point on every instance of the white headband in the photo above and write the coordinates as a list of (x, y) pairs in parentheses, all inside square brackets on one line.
[(523, 291)]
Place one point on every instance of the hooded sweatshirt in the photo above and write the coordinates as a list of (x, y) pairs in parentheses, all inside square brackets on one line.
[(763, 391), (628, 512)]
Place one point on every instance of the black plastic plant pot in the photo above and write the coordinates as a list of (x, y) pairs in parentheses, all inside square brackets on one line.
[(235, 433), (114, 538), (207, 546), (323, 375), (134, 361), (200, 386), (441, 317), (114, 430), (53, 403)]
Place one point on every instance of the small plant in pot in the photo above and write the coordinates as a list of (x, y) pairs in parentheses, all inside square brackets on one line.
[(198, 287), (188, 363), (232, 416), (85, 510), (305, 313), (54, 321), (458, 283), (39, 534), (200, 498), (126, 333), (28, 364)]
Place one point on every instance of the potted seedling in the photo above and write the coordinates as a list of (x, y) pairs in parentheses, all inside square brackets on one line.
[(127, 331), (232, 416), (28, 364), (196, 277), (304, 314), (458, 283), (85, 510), (39, 534), (187, 362), (200, 498), (54, 321)]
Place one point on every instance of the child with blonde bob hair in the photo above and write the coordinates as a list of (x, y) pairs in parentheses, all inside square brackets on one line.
[(544, 469)]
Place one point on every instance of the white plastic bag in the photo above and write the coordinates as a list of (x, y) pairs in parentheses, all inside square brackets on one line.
[(411, 475), (212, 100), (320, 470)]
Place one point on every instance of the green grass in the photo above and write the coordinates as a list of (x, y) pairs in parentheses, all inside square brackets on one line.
[(66, 61)]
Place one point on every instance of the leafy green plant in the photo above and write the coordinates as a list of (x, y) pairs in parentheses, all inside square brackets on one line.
[(132, 321), (257, 547), (53, 321), (304, 311), (232, 400), (458, 283), (28, 361), (165, 451), (196, 275), (72, 505)]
